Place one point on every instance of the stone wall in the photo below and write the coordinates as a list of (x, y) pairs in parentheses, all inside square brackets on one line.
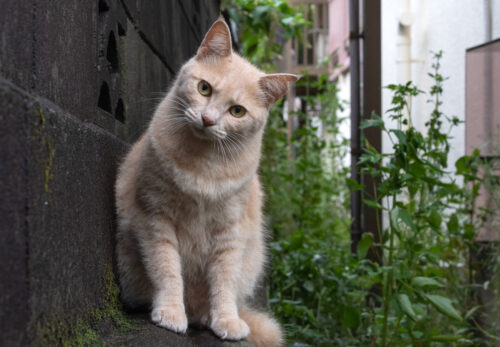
[(78, 83)]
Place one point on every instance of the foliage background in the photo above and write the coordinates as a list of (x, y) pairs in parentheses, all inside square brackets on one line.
[(425, 293)]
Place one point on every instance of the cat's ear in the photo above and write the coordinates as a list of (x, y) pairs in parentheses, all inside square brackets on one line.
[(274, 86), (217, 42)]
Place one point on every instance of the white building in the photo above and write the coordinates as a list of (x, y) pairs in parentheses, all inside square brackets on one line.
[(412, 29)]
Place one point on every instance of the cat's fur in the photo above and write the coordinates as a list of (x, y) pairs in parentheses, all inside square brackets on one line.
[(190, 241)]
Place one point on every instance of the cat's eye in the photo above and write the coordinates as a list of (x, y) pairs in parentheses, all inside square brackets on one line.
[(204, 88), (237, 111)]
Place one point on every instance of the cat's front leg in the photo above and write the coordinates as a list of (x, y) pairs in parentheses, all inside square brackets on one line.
[(224, 270), (160, 250)]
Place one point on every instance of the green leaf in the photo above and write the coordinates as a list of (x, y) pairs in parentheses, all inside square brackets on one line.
[(375, 121), (400, 135), (445, 338), (471, 312), (354, 185), (364, 245), (394, 219), (350, 318), (418, 169), (435, 220), (407, 219), (443, 305), (422, 282), (404, 302), (308, 285), (398, 213), (373, 204)]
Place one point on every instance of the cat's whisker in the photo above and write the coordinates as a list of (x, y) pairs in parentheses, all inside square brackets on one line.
[(179, 100), (174, 108), (236, 150), (179, 104), (235, 143), (191, 115), (175, 126), (218, 150), (220, 134), (230, 150), (176, 122), (225, 154)]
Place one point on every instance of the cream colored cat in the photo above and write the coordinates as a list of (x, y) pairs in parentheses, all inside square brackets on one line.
[(190, 239)]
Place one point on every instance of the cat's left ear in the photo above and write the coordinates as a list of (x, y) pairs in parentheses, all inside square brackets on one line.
[(274, 86), (217, 42)]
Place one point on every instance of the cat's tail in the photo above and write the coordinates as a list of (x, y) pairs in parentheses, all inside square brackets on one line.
[(264, 330)]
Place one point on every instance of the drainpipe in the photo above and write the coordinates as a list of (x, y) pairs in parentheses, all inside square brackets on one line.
[(354, 68), (489, 20), (404, 42)]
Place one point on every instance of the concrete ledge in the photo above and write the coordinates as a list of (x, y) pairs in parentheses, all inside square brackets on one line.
[(144, 333)]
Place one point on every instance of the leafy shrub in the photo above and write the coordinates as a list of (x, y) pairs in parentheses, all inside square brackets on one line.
[(306, 204), (424, 293), (431, 228), (319, 289), (262, 24)]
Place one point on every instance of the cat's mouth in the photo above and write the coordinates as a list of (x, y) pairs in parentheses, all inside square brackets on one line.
[(205, 133), (212, 132)]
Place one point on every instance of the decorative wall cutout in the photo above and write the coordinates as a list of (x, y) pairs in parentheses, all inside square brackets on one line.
[(112, 28), (103, 7), (112, 53), (121, 30), (120, 111), (104, 102)]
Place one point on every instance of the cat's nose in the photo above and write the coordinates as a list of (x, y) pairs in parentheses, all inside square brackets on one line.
[(207, 121)]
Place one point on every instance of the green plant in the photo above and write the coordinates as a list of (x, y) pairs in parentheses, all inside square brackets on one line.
[(312, 288), (318, 289), (260, 24), (431, 224)]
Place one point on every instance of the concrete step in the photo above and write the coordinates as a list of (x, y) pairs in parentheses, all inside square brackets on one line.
[(144, 333)]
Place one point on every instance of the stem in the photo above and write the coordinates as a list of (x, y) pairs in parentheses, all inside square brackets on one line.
[(486, 333), (410, 332), (388, 281), (379, 226)]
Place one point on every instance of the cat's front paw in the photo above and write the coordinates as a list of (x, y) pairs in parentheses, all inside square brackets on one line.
[(170, 317), (231, 328)]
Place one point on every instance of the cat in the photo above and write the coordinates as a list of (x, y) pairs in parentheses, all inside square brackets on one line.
[(190, 240)]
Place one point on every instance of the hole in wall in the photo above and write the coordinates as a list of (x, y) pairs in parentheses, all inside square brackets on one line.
[(112, 53), (104, 102), (120, 111), (121, 30), (103, 6)]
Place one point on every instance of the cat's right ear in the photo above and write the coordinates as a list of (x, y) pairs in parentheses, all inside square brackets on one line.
[(274, 86), (217, 42)]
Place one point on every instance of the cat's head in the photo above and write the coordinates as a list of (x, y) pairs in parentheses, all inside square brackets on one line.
[(220, 95)]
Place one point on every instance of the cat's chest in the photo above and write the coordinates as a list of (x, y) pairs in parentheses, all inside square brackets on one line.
[(197, 230), (197, 220)]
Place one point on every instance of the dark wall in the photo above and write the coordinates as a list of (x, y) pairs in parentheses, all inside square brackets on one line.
[(79, 81)]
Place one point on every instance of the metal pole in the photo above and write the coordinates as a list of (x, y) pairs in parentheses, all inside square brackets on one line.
[(372, 102), (356, 230)]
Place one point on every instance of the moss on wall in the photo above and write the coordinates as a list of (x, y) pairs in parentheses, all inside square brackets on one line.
[(84, 330), (46, 145)]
